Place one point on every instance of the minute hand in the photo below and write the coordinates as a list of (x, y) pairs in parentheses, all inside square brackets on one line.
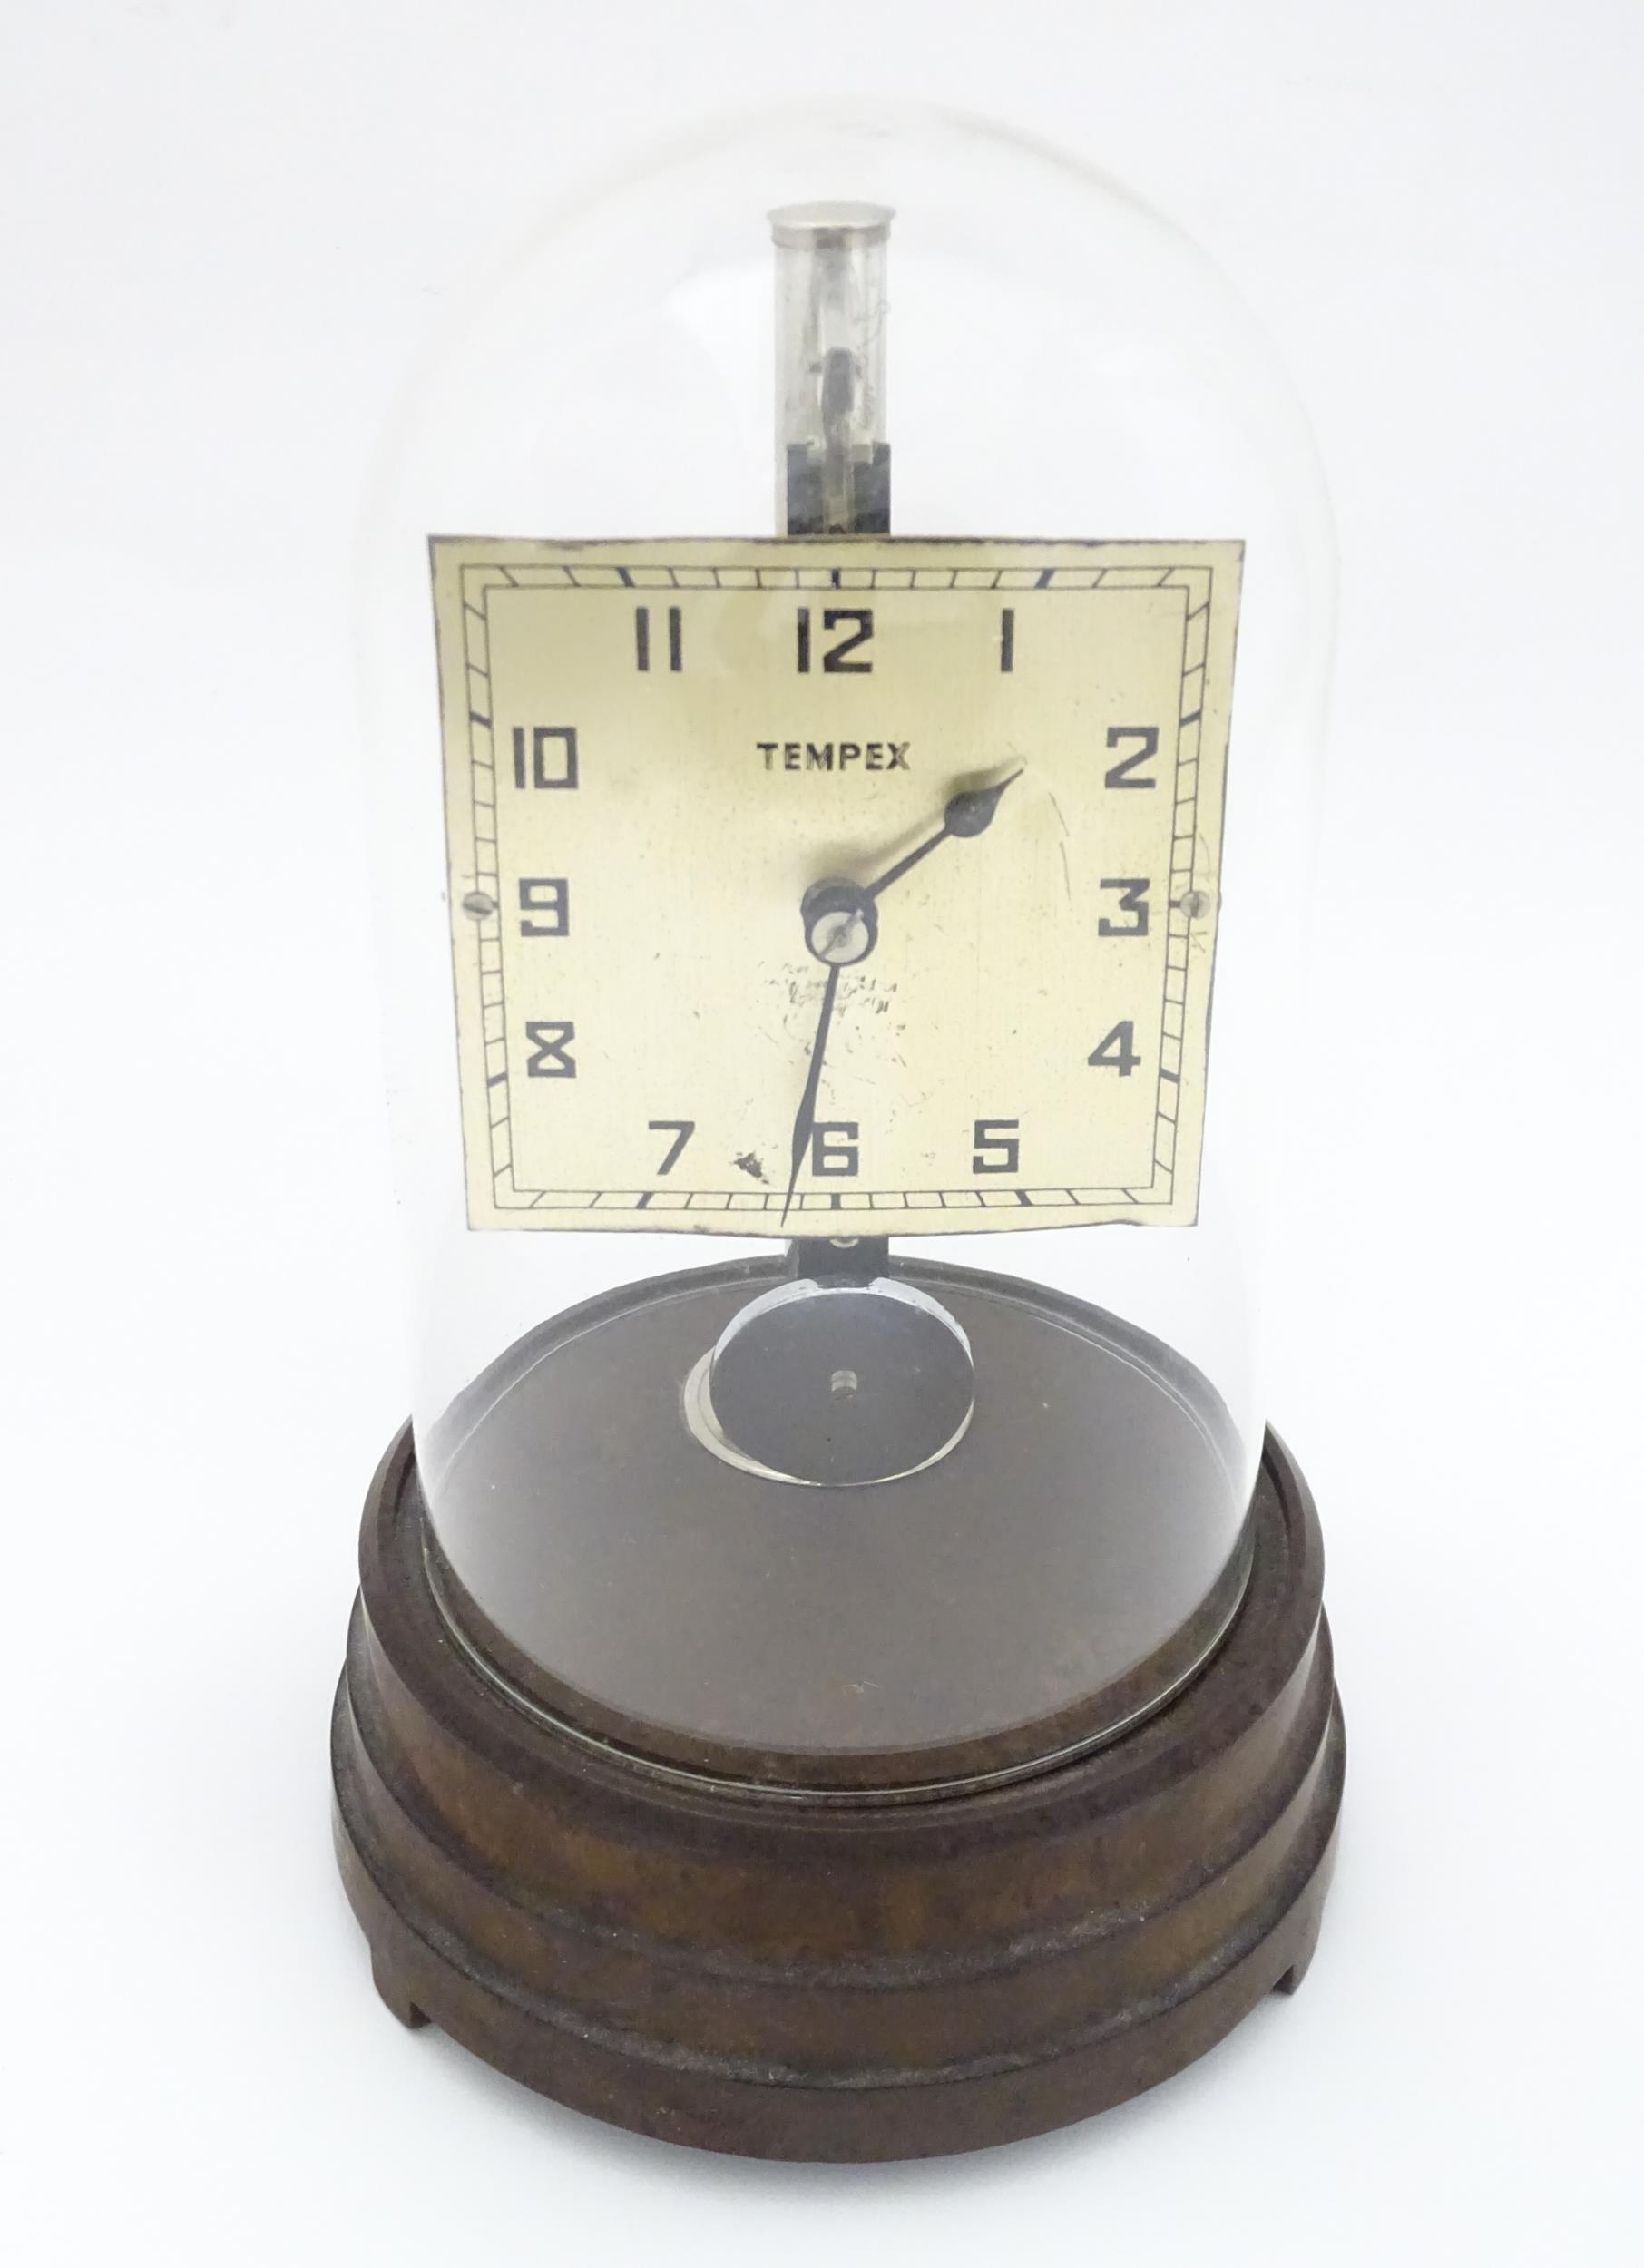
[(971, 812), (840, 928), (806, 1121)]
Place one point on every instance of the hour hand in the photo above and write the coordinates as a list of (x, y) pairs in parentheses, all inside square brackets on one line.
[(969, 812), (841, 919)]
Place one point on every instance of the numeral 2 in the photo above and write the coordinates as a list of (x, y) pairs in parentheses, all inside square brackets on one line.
[(832, 660), (1118, 775)]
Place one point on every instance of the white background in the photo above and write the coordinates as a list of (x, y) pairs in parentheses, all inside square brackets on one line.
[(230, 232)]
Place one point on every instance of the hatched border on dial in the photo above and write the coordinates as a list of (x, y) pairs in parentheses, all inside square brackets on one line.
[(1196, 584)]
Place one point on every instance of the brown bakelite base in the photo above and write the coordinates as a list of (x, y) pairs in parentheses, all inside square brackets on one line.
[(846, 1980)]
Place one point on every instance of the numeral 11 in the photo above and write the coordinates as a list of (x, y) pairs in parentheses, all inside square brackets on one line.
[(642, 637)]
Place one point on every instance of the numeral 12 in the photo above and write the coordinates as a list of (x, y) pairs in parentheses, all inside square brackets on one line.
[(834, 662)]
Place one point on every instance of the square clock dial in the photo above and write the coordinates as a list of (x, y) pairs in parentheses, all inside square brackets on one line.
[(800, 879)]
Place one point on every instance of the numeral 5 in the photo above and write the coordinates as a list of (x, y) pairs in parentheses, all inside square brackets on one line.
[(998, 1148)]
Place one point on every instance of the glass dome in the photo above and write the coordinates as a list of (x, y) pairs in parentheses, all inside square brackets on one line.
[(877, 1505)]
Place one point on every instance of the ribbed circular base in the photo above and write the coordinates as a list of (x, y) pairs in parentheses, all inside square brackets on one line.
[(745, 1973)]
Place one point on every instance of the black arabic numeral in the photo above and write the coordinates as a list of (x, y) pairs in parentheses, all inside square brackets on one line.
[(681, 1129), (834, 1151), (546, 767), (1116, 1052), (834, 662), (549, 894), (1132, 899), (998, 1147), (1119, 775), (642, 637), (552, 1058)]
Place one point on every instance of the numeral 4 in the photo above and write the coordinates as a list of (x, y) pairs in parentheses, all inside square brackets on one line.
[(1116, 1052)]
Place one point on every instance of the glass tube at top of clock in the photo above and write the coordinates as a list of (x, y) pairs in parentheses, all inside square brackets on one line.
[(834, 1228)]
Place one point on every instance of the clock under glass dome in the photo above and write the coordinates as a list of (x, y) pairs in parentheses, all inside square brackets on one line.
[(839, 994)]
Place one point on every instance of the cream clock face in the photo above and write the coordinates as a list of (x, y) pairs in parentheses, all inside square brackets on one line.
[(951, 809)]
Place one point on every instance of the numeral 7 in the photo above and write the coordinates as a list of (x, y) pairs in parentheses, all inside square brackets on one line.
[(681, 1129)]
